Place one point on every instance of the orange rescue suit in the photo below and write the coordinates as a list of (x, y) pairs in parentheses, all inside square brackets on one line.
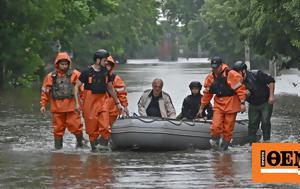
[(95, 102), (63, 110), (227, 107), (120, 89)]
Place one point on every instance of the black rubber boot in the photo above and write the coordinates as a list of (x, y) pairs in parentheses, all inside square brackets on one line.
[(224, 145), (93, 146), (102, 141), (79, 139), (58, 143), (215, 142)]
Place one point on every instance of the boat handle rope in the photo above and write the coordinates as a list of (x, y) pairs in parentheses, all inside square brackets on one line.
[(177, 124), (135, 116), (193, 123), (242, 121)]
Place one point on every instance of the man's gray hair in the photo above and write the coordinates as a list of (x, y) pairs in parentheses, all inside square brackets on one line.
[(158, 80)]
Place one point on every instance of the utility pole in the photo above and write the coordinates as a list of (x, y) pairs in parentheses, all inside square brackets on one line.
[(272, 67), (57, 46), (2, 75), (247, 54)]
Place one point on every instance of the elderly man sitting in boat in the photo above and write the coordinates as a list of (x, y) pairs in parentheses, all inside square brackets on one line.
[(155, 102)]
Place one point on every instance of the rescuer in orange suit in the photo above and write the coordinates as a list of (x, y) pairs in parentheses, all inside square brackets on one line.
[(120, 89), (58, 89), (229, 98), (97, 82)]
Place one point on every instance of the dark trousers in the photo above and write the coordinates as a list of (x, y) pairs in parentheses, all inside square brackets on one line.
[(260, 114)]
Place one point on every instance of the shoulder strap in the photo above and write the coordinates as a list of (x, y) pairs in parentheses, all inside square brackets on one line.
[(54, 76), (213, 75), (226, 71), (69, 72), (91, 71), (113, 76), (223, 71)]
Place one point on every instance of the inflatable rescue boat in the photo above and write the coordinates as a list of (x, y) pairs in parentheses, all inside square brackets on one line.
[(156, 134)]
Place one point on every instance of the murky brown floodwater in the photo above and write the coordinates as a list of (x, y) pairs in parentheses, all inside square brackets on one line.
[(27, 159)]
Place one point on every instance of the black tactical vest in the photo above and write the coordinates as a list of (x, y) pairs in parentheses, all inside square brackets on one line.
[(220, 87), (62, 87), (97, 81)]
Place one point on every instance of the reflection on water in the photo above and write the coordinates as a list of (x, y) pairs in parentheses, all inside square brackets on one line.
[(223, 172), (76, 171), (26, 144)]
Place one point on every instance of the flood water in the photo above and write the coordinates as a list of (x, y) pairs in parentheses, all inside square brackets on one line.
[(27, 159)]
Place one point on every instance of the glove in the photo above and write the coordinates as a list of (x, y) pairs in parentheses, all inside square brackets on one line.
[(126, 111), (120, 107)]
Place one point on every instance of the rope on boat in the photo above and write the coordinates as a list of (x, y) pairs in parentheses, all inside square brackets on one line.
[(242, 121), (173, 121), (135, 116), (186, 122), (177, 124)]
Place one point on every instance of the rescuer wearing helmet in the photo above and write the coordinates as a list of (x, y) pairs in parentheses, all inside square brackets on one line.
[(97, 82), (260, 96), (229, 92)]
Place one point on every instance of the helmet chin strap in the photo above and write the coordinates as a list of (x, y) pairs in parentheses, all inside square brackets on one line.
[(98, 63), (244, 72)]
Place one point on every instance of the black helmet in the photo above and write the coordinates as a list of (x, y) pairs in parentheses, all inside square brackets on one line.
[(196, 84), (101, 53), (239, 65), (216, 62)]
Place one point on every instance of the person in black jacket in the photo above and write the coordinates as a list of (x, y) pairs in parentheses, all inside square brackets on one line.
[(191, 104), (260, 96)]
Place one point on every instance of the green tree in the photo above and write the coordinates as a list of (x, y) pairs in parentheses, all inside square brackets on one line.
[(23, 26), (216, 29), (179, 14), (273, 29), (124, 30), (29, 28)]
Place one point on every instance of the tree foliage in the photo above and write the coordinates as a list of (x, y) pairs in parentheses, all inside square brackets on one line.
[(29, 28), (219, 34), (122, 32), (273, 29), (181, 11), (179, 14), (223, 27)]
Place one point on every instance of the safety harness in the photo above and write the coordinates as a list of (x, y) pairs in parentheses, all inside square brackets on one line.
[(220, 86), (62, 87)]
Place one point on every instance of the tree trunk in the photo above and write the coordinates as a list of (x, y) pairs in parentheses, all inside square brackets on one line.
[(272, 67), (2, 71), (247, 55)]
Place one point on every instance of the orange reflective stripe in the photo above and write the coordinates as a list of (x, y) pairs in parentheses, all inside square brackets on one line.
[(45, 89)]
